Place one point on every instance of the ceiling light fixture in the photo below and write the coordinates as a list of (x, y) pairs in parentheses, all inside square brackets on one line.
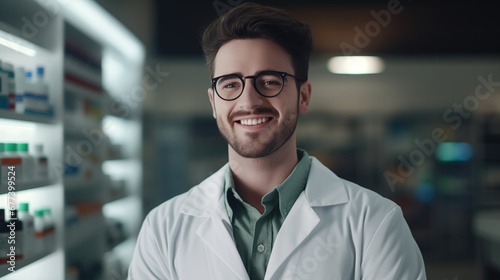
[(9, 42), (355, 65)]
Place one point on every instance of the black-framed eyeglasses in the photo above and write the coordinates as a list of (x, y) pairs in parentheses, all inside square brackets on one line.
[(266, 83)]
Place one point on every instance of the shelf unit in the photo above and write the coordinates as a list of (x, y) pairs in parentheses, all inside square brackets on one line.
[(486, 220), (83, 110), (45, 45), (88, 100), (5, 114), (111, 180), (488, 149), (433, 181)]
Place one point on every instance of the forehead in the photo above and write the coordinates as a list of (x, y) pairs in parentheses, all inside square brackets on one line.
[(248, 56)]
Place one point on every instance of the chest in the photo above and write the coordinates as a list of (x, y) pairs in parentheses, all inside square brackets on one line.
[(327, 252)]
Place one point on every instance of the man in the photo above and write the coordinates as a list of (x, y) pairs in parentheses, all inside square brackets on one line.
[(272, 212)]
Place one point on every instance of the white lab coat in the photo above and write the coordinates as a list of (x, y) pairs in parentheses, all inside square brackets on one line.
[(335, 230)]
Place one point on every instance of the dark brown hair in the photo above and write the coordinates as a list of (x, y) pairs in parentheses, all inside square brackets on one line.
[(253, 21)]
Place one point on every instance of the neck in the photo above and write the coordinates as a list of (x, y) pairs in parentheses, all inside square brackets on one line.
[(255, 177)]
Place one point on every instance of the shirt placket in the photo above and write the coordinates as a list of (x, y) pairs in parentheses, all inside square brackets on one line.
[(262, 243)]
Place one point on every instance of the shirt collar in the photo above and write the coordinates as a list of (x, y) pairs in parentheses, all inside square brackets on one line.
[(288, 191)]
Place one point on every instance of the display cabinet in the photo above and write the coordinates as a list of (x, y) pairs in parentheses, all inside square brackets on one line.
[(486, 222), (70, 88), (102, 130), (27, 43)]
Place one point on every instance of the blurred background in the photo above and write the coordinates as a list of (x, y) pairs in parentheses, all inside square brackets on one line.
[(414, 116)]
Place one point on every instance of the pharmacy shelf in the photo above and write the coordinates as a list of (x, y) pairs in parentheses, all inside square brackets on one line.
[(119, 109), (85, 228), (76, 129), (84, 110), (23, 263), (112, 197), (118, 158), (75, 75), (44, 49), (125, 250), (121, 243), (75, 184), (28, 186), (72, 88), (73, 67), (94, 89), (5, 114), (486, 226)]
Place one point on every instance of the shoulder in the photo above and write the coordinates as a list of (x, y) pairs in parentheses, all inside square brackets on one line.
[(370, 225), (356, 205), (366, 198), (168, 209), (325, 188), (197, 201)]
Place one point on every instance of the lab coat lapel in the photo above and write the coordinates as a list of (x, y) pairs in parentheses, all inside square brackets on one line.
[(207, 203), (299, 223), (216, 234), (323, 188)]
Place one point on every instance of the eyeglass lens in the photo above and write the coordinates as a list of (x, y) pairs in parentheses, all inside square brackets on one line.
[(267, 84)]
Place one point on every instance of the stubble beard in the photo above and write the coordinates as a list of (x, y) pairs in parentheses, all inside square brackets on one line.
[(252, 146)]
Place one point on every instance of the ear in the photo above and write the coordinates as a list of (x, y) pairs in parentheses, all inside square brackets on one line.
[(304, 96), (210, 92)]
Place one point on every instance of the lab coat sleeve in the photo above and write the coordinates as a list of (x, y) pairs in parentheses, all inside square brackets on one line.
[(148, 261), (392, 252)]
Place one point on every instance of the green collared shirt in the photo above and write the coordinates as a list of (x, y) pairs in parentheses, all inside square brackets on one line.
[(255, 233)]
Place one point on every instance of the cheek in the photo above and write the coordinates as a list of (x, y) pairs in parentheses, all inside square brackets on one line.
[(289, 102), (287, 106), (222, 110)]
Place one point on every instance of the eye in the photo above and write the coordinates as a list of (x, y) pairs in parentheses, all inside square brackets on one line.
[(228, 83), (270, 81)]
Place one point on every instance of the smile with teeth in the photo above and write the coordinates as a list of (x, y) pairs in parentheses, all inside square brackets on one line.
[(254, 121)]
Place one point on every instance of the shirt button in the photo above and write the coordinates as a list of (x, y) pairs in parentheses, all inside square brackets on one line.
[(261, 248)]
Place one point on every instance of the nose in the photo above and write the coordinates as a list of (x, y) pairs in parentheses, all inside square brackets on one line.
[(249, 98)]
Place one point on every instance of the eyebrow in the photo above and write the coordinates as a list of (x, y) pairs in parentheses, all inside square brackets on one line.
[(234, 73), (225, 77), (256, 73)]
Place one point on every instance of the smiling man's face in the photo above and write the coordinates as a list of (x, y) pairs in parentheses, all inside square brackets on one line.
[(256, 126)]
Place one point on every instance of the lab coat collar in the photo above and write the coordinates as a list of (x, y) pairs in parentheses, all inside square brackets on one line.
[(323, 188)]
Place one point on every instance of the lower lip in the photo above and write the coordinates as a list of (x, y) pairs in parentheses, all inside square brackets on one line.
[(253, 127)]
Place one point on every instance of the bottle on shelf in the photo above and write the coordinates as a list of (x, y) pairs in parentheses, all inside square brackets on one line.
[(39, 226), (8, 92), (2, 155), (42, 86), (11, 164), (20, 79), (4, 98), (36, 97), (29, 229), (4, 89), (30, 95), (17, 242), (4, 238), (50, 229), (28, 162), (41, 164), (72, 273)]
